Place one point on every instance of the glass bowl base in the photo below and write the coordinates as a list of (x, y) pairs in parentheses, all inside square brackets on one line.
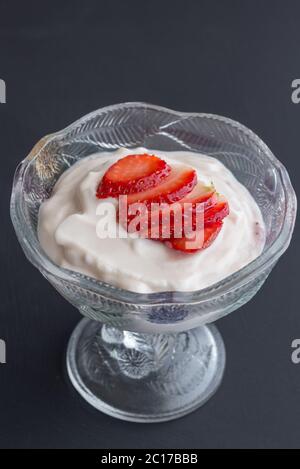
[(145, 377)]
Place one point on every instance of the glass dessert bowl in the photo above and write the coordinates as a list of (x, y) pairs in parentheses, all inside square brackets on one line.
[(152, 357)]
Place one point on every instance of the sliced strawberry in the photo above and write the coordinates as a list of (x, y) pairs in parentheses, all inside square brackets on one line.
[(178, 219), (218, 211), (199, 198), (198, 241), (176, 186), (200, 194), (131, 174)]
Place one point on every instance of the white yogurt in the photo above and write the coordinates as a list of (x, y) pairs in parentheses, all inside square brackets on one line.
[(68, 221)]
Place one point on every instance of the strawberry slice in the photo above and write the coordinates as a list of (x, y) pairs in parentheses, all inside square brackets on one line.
[(176, 186), (218, 211), (200, 194), (131, 174), (198, 241), (177, 212)]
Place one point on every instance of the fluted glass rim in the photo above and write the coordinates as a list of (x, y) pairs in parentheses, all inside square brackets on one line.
[(234, 281)]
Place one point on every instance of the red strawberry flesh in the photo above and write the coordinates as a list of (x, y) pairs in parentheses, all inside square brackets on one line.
[(197, 241), (131, 174), (147, 179), (200, 197), (218, 211), (176, 186)]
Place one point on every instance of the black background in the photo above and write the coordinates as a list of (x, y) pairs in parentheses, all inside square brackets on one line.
[(62, 60)]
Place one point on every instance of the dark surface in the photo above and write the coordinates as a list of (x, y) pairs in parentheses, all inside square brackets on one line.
[(63, 60)]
